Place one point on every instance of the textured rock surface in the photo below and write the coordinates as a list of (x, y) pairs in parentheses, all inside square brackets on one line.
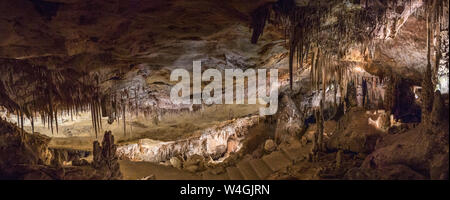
[(105, 158), (176, 162), (290, 121), (414, 152), (17, 147), (356, 136), (210, 142), (132, 46)]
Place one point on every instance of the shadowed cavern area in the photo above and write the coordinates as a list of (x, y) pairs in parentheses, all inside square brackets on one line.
[(86, 89)]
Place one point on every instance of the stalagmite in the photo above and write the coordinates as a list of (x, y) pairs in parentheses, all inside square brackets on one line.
[(136, 102), (50, 105), (427, 86), (93, 119), (124, 121)]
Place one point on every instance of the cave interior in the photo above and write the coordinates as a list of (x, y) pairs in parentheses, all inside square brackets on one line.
[(361, 92)]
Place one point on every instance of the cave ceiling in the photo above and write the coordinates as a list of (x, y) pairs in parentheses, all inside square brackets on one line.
[(76, 50)]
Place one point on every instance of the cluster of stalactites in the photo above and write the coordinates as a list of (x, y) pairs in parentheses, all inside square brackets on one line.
[(333, 27), (34, 92), (117, 104)]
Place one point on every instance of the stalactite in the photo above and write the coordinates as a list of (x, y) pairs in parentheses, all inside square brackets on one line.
[(124, 121), (48, 121), (437, 54), (56, 120), (21, 120), (50, 106), (32, 124), (117, 110), (259, 18), (312, 68), (92, 117), (99, 115), (43, 119), (18, 118), (136, 102), (317, 69)]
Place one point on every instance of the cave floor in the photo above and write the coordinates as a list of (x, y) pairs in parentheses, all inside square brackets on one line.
[(138, 170), (282, 168), (289, 161)]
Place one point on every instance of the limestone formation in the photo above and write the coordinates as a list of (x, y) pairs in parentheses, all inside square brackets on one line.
[(269, 146), (290, 120), (176, 162), (194, 163), (105, 156)]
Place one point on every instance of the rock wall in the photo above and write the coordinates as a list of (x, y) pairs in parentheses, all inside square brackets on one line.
[(17, 147), (216, 142)]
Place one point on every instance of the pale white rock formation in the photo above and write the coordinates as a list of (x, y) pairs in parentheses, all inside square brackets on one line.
[(210, 143)]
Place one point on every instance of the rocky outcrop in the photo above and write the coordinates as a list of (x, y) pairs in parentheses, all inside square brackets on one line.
[(290, 121), (18, 148), (219, 140), (418, 153), (353, 134), (105, 158), (382, 122)]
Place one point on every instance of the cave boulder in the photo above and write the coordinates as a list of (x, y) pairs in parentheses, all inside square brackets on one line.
[(290, 122), (176, 162), (194, 163), (418, 149), (269, 146)]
